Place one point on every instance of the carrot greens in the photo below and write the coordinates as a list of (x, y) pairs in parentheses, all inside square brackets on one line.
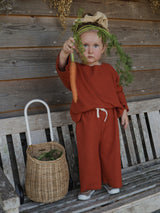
[(124, 62)]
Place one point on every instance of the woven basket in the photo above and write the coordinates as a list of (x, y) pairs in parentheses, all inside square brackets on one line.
[(46, 181)]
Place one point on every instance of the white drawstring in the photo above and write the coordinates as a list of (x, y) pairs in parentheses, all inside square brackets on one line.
[(103, 110)]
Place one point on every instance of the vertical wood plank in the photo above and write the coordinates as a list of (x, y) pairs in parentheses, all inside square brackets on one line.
[(6, 160), (68, 147), (74, 130), (146, 136), (19, 157), (122, 147), (55, 134), (138, 138), (154, 120), (70, 153), (38, 136), (131, 146), (75, 145)]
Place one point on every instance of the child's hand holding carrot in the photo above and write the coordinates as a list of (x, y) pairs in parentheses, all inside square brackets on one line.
[(69, 46), (67, 49)]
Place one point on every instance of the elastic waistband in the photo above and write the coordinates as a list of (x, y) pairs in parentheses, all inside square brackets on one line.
[(103, 110)]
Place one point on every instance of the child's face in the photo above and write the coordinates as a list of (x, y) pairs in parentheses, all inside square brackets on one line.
[(94, 47)]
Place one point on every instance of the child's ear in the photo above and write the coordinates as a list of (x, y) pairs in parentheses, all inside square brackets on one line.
[(104, 48)]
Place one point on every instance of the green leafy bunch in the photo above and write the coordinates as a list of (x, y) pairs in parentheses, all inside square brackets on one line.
[(124, 63), (53, 154)]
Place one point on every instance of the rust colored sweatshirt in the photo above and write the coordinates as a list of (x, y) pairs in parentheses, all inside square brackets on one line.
[(97, 86)]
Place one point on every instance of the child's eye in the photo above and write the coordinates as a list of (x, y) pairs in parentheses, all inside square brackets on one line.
[(96, 45), (85, 45)]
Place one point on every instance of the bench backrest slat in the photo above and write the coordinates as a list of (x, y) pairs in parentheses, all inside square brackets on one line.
[(154, 121), (55, 134), (131, 146), (70, 152), (123, 150), (5, 157), (68, 147), (36, 122), (38, 136), (146, 136), (19, 157), (144, 106), (74, 129), (138, 138)]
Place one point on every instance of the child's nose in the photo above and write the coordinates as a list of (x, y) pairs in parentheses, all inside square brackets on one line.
[(90, 49)]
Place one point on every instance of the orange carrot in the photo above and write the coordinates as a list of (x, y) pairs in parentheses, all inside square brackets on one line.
[(73, 81)]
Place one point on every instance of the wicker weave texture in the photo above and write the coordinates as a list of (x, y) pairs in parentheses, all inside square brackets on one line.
[(46, 181)]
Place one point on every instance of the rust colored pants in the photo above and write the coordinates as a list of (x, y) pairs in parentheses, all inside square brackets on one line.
[(98, 150)]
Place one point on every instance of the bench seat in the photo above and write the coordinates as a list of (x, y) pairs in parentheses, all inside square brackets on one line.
[(140, 193)]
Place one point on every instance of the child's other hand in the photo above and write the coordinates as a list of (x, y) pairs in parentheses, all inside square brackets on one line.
[(124, 119), (68, 46)]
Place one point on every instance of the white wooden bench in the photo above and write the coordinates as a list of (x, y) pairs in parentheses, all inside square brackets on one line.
[(140, 157)]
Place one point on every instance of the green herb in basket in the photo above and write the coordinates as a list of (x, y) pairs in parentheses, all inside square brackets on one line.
[(53, 154)]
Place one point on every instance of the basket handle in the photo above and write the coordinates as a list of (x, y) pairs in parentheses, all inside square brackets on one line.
[(26, 118)]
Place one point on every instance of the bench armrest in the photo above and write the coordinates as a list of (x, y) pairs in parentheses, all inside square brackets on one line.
[(9, 200)]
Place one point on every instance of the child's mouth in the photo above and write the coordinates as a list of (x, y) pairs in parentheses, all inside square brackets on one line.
[(90, 57)]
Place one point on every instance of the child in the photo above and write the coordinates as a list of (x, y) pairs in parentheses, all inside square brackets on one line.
[(100, 102)]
